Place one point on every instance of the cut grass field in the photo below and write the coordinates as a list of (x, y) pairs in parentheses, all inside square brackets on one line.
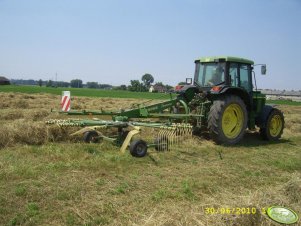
[(49, 178)]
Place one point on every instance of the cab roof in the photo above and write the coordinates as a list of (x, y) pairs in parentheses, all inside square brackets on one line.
[(224, 58)]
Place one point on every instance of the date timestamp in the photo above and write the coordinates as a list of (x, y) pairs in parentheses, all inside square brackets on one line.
[(234, 211)]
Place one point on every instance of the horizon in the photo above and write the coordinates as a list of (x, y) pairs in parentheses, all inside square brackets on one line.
[(115, 42), (85, 83)]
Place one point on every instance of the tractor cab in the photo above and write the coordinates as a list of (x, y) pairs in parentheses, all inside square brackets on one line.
[(216, 73)]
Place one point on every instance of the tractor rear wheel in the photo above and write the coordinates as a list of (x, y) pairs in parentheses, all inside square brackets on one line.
[(227, 120), (274, 125)]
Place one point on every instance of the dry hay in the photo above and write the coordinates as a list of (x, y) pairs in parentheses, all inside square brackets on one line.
[(292, 115), (23, 131), (23, 116)]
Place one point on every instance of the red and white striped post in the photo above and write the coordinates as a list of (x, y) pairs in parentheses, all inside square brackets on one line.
[(66, 101)]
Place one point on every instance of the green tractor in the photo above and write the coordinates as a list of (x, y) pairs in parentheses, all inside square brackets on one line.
[(226, 83), (221, 100)]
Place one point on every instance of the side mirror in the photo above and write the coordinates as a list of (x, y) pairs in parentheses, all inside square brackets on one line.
[(188, 81), (263, 69)]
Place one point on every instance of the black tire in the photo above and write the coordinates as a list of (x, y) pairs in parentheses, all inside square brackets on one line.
[(266, 132), (215, 119), (138, 148), (91, 137), (161, 144)]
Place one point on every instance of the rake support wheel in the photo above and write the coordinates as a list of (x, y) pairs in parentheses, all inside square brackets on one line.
[(138, 148), (92, 137)]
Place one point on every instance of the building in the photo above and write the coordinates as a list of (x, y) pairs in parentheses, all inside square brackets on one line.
[(159, 88), (282, 95), (4, 81)]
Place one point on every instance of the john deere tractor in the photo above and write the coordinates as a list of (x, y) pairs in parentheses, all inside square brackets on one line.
[(232, 102), (221, 100)]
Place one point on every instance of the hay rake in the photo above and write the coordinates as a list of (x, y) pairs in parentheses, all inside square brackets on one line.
[(168, 134), (172, 121)]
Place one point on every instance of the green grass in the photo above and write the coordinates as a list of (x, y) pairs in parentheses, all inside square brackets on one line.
[(106, 93), (83, 92), (284, 102)]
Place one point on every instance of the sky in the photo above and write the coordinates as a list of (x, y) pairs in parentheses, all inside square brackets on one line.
[(115, 41)]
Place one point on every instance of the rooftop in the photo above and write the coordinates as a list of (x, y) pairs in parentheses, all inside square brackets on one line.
[(226, 58)]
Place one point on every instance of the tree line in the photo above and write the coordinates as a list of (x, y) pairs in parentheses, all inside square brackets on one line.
[(147, 81)]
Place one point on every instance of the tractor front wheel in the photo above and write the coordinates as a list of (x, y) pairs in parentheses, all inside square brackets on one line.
[(227, 120), (274, 125)]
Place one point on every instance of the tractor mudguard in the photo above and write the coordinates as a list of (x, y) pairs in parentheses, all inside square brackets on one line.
[(237, 91), (262, 118)]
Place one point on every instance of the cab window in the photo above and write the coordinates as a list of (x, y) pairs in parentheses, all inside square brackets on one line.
[(233, 72), (240, 76)]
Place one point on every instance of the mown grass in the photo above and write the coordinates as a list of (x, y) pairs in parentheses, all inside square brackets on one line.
[(83, 92), (49, 178), (68, 184)]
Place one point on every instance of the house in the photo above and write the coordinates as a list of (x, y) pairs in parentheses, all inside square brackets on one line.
[(160, 88), (4, 81), (151, 89)]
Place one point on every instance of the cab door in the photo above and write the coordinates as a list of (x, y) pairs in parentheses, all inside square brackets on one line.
[(240, 76), (245, 80)]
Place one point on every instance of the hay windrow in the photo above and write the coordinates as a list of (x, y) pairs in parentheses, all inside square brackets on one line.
[(24, 132), (24, 117)]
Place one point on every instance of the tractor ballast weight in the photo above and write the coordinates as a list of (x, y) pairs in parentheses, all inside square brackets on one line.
[(221, 100)]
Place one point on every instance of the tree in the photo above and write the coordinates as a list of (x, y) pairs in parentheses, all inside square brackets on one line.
[(159, 84), (49, 83), (62, 84), (104, 86), (135, 85), (40, 82), (121, 87), (92, 85), (169, 87), (147, 80), (76, 83)]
